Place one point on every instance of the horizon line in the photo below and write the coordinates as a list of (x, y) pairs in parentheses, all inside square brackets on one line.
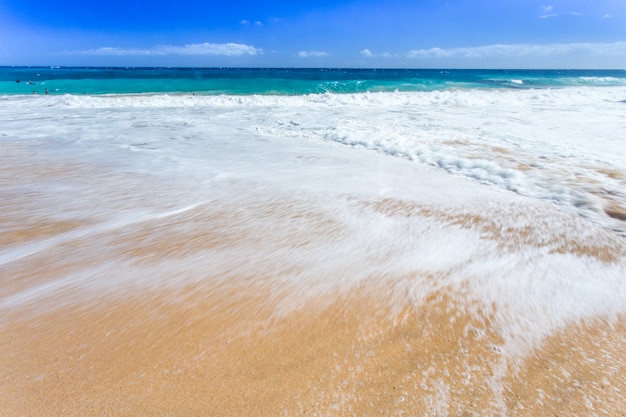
[(314, 68)]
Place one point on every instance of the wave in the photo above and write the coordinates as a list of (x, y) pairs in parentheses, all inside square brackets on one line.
[(553, 97), (562, 145)]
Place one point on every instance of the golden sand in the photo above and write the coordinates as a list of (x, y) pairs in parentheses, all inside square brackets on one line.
[(579, 371), (528, 230), (222, 351), (615, 211), (225, 346), (37, 229)]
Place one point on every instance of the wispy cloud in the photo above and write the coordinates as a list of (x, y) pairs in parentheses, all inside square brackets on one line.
[(219, 49), (523, 50), (370, 54), (547, 16), (309, 54), (548, 12), (246, 22)]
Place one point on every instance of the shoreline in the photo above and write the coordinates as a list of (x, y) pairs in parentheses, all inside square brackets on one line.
[(225, 352), (448, 256), (283, 339)]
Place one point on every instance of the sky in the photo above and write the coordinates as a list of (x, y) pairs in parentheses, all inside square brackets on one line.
[(321, 33)]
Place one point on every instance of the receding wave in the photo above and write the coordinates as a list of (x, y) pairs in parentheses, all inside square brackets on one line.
[(533, 142)]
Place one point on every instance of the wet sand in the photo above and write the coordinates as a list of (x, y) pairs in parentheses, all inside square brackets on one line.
[(223, 351), (271, 304), (235, 345)]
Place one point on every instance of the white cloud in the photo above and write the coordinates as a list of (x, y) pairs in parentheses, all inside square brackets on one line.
[(546, 16), (246, 22), (524, 50), (221, 49), (370, 54), (607, 16), (435, 53), (548, 8), (308, 54)]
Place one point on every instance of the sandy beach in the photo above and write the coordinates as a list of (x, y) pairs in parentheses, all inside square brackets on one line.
[(237, 345), (335, 255), (220, 352)]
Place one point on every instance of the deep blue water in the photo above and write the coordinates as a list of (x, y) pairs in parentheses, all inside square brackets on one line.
[(288, 81)]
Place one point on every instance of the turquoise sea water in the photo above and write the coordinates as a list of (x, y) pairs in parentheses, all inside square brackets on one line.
[(276, 81)]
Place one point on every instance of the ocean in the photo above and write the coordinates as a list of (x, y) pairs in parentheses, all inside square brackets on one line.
[(326, 242), (287, 81)]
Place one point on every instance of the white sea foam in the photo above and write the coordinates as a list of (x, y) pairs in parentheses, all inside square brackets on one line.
[(535, 170), (561, 145), (601, 80)]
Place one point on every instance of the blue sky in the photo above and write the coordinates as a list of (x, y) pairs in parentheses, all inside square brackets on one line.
[(320, 33)]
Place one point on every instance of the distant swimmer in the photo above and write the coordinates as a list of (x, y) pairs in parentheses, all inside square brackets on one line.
[(46, 91), (32, 83), (17, 81)]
